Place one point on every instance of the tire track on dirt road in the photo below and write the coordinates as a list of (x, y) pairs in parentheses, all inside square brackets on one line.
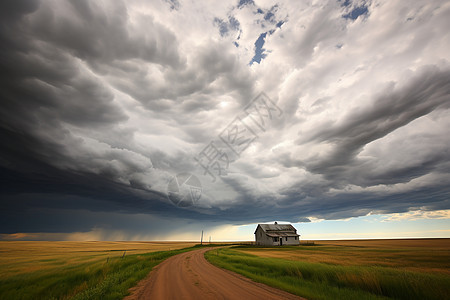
[(190, 276)]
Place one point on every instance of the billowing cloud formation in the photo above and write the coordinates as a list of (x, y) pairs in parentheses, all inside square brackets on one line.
[(102, 103)]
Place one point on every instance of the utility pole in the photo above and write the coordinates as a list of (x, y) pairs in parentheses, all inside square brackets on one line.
[(201, 240)]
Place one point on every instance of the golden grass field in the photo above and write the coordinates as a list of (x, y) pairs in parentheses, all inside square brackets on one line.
[(18, 257), (349, 269), (422, 255), (403, 269)]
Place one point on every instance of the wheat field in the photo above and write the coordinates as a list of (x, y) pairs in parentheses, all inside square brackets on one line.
[(17, 257)]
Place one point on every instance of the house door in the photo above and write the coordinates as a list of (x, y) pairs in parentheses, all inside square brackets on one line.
[(281, 241)]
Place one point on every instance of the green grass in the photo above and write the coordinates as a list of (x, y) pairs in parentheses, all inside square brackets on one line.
[(330, 281), (106, 279)]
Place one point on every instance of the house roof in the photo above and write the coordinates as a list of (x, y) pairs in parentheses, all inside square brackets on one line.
[(275, 234), (278, 229)]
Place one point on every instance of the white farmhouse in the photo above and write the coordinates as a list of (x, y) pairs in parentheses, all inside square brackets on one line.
[(276, 235)]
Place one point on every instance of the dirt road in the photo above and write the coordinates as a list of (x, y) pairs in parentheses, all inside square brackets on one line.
[(190, 276)]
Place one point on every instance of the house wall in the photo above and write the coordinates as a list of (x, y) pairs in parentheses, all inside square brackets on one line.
[(291, 240), (262, 239)]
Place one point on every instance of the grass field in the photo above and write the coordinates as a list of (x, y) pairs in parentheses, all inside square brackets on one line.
[(371, 269), (78, 270)]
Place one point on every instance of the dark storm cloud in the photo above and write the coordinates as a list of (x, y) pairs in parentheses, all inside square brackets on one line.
[(394, 108), (50, 97), (100, 34), (42, 82), (317, 201), (187, 89), (107, 40), (43, 90), (102, 103)]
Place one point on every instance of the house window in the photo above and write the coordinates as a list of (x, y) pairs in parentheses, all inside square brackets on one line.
[(275, 239), (286, 239), (296, 237)]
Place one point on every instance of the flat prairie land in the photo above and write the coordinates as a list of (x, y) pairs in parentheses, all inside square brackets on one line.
[(78, 270), (422, 255), (23, 257), (440, 243), (348, 269)]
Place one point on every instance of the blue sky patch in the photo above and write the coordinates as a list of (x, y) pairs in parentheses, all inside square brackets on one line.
[(259, 50), (356, 12), (225, 27), (244, 2), (269, 16), (345, 3)]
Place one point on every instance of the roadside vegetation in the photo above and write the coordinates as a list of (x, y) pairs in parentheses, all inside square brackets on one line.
[(92, 274), (342, 271)]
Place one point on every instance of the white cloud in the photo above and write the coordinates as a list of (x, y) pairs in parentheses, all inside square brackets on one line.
[(418, 215)]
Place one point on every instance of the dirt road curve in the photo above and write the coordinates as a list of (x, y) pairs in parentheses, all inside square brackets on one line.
[(190, 276)]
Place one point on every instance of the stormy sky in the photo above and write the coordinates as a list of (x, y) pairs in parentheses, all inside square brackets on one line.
[(103, 103)]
